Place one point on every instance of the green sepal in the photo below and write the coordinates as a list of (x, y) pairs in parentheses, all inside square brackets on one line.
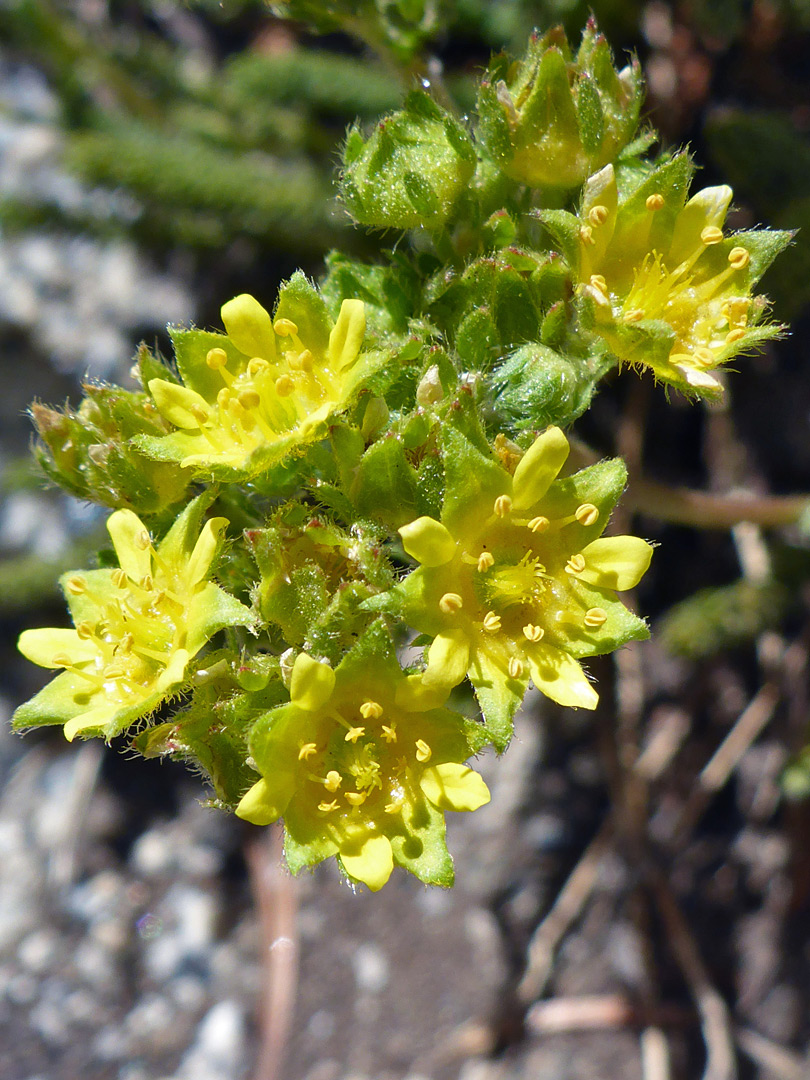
[(564, 231), (472, 478), (421, 848), (386, 486), (499, 697)]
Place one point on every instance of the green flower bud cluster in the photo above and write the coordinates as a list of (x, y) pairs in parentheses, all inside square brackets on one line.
[(379, 460)]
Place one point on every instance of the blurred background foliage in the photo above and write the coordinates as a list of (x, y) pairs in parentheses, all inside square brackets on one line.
[(204, 136)]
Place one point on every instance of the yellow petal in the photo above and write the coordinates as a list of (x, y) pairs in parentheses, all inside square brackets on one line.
[(616, 562), (95, 718), (130, 539), (174, 672), (560, 677), (428, 541), (413, 695), (454, 787), (205, 549), (311, 684), (181, 406), (347, 335), (706, 207), (249, 326), (448, 659), (42, 645), (538, 467), (372, 863), (257, 805)]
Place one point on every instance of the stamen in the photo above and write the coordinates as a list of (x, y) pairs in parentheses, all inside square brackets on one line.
[(76, 585), (249, 399), (734, 335), (533, 633), (84, 631), (333, 780), (539, 524), (575, 565), (224, 398), (284, 386), (598, 215), (354, 733), (328, 807), (587, 514), (485, 562), (654, 202), (704, 356), (393, 807), (371, 710), (119, 579), (595, 617), (503, 506), (201, 415), (147, 583), (423, 751), (216, 359), (307, 750), (143, 540), (492, 622), (739, 258), (356, 798), (304, 361), (389, 732), (515, 668), (450, 603), (586, 235), (285, 327), (598, 282), (257, 366), (711, 235), (633, 316)]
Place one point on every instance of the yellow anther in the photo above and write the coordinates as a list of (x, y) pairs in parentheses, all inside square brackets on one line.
[(371, 710), (711, 235), (485, 562), (285, 327), (76, 585), (114, 671), (126, 643), (147, 583), (216, 358), (307, 750), (492, 622), (598, 215), (734, 335), (739, 258), (393, 808), (354, 733), (595, 616), (539, 524), (333, 780), (450, 603), (224, 398), (515, 668), (200, 414), (704, 356), (256, 366), (532, 632), (586, 235), (634, 315), (249, 399), (389, 732), (61, 660), (587, 514), (143, 540), (356, 798), (423, 751), (598, 282), (84, 630), (328, 807), (655, 202), (304, 361), (576, 564), (503, 506), (119, 579), (284, 386)]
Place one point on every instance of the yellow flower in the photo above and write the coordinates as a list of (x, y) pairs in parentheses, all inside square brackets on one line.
[(136, 627), (265, 389), (663, 284), (362, 764), (516, 582)]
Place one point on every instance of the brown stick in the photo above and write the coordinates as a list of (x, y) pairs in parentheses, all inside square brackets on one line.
[(276, 899)]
